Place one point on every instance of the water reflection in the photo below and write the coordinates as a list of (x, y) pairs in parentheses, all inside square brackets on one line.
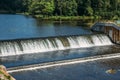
[(19, 26)]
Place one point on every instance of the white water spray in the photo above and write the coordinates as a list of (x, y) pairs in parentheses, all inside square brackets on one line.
[(51, 44)]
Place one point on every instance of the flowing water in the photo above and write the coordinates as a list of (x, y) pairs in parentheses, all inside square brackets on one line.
[(55, 51), (95, 70), (17, 47)]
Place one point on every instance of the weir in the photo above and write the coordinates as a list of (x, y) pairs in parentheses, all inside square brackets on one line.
[(60, 63), (28, 46), (24, 57)]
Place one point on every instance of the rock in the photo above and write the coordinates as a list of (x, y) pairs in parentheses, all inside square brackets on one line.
[(3, 67), (4, 75), (111, 71)]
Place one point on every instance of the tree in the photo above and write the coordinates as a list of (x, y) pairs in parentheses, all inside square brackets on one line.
[(89, 11), (42, 7), (97, 6), (104, 8), (65, 7)]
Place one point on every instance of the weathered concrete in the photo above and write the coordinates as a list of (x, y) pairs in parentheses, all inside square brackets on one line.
[(111, 29)]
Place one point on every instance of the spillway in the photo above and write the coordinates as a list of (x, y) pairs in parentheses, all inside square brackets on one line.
[(63, 62), (28, 46)]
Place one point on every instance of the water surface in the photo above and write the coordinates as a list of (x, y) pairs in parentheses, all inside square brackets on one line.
[(29, 59), (95, 70), (20, 26)]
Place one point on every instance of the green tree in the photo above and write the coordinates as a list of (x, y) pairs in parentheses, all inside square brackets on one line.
[(97, 6), (42, 7), (66, 7), (87, 8), (84, 7), (103, 8), (89, 11)]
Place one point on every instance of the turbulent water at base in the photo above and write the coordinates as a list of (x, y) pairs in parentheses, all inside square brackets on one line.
[(95, 70), (17, 47), (63, 62)]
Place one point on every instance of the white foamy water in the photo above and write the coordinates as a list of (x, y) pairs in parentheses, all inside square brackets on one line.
[(8, 48)]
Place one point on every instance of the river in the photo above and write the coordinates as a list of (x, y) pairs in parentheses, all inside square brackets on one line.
[(20, 26), (23, 38)]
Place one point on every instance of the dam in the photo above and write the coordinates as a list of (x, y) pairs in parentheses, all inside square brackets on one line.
[(33, 50), (27, 46)]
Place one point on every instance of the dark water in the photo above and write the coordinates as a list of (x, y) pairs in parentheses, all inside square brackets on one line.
[(19, 26), (82, 71)]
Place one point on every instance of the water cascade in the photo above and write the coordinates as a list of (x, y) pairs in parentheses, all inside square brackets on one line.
[(27, 46)]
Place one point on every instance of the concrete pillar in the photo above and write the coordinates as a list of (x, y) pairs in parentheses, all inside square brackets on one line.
[(113, 34), (119, 36), (105, 29)]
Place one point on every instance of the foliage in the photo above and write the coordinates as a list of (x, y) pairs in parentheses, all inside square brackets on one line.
[(103, 8), (41, 7), (65, 7)]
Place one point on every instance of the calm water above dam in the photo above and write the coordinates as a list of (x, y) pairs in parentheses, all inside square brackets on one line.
[(19, 26), (17, 49)]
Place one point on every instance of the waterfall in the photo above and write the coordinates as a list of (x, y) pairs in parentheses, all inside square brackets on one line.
[(17, 47)]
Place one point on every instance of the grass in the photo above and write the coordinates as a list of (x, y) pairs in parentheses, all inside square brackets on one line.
[(65, 18)]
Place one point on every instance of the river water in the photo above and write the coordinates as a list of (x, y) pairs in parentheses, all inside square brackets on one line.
[(19, 26), (82, 71), (25, 27)]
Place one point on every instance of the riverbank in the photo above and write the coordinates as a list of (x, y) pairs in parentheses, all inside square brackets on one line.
[(66, 18), (4, 74), (85, 19)]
